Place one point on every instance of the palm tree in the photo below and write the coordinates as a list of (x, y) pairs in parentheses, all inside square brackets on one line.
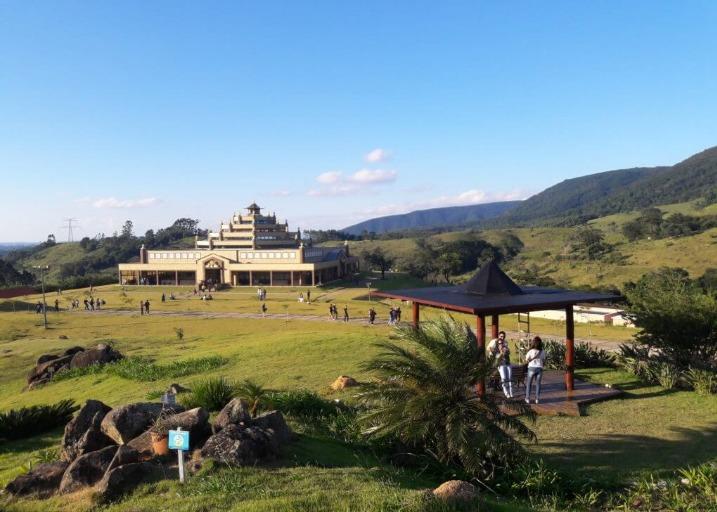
[(425, 397), (253, 393)]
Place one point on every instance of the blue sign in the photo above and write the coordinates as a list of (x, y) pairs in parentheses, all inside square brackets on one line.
[(178, 440)]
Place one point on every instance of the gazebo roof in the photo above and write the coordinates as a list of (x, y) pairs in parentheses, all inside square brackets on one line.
[(491, 291)]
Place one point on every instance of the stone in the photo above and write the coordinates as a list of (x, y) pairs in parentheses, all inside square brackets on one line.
[(235, 445), (124, 423), (456, 491), (125, 454), (195, 421), (123, 479), (42, 481), (343, 382), (87, 469), (45, 358), (44, 371), (92, 356), (82, 433), (235, 412), (274, 421), (73, 350), (142, 444), (62, 336)]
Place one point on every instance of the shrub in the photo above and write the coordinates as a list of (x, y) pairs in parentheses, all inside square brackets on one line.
[(704, 382), (303, 404), (179, 332), (587, 356), (635, 359), (254, 393), (212, 394), (30, 421), (666, 374)]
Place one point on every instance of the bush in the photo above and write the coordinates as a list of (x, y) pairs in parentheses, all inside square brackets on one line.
[(704, 382), (635, 359), (587, 356), (30, 421), (212, 394), (303, 404), (667, 375)]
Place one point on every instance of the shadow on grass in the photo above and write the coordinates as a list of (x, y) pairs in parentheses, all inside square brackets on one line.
[(47, 439), (617, 456)]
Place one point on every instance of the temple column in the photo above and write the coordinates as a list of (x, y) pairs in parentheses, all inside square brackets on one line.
[(157, 281), (569, 349), (313, 278), (480, 343), (176, 278), (271, 278), (292, 277), (251, 278)]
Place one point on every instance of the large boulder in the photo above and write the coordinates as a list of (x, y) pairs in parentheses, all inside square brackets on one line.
[(45, 358), (240, 446), (73, 350), (87, 469), (43, 372), (274, 422), (195, 421), (123, 479), (125, 454), (82, 433), (102, 354), (124, 423), (142, 444), (455, 491), (42, 481), (234, 413)]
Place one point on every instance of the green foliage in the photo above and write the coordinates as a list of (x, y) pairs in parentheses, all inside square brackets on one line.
[(144, 369), (424, 397), (179, 333), (9, 276), (704, 382), (377, 259), (30, 421), (254, 393), (303, 404), (675, 317), (651, 224), (212, 394), (587, 243)]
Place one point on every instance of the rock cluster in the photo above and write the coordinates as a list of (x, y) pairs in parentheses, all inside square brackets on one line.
[(48, 365), (343, 382), (110, 450)]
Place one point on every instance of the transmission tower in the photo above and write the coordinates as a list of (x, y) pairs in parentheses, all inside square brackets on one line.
[(68, 226)]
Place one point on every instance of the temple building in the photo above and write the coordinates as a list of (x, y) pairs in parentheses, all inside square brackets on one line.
[(248, 250)]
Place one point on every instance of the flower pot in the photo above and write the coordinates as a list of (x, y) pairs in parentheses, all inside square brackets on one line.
[(160, 444)]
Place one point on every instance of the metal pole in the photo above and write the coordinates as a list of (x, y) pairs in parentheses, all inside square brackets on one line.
[(42, 282)]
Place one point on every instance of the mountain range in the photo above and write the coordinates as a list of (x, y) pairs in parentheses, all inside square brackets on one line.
[(571, 201)]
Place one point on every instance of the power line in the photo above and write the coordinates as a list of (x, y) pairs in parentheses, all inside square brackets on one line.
[(68, 226)]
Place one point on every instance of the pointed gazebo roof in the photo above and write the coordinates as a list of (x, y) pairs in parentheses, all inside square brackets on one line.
[(491, 280)]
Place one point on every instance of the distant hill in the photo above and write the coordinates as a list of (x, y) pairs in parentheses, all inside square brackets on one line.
[(453, 216), (605, 193)]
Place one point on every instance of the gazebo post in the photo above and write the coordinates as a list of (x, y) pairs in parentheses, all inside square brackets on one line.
[(416, 314), (569, 348), (480, 342), (494, 327)]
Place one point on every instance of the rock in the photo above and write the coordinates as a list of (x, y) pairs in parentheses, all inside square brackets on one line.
[(239, 446), (44, 371), (62, 337), (125, 454), (274, 421), (456, 490), (42, 481), (98, 355), (73, 350), (235, 412), (195, 421), (142, 444), (177, 388), (87, 469), (125, 423), (45, 358), (343, 382), (196, 461), (122, 479), (82, 433)]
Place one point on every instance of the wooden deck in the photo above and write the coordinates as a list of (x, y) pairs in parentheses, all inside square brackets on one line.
[(554, 400)]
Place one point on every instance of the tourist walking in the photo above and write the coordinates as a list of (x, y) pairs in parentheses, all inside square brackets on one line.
[(87, 305), (146, 307), (92, 303), (371, 316), (398, 314), (346, 313), (141, 308), (535, 359), (57, 305), (500, 351), (263, 309), (164, 298), (308, 296)]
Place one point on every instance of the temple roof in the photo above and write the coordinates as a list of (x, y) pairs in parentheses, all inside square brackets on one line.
[(491, 280)]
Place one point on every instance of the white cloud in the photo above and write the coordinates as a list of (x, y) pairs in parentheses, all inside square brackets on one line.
[(113, 202), (333, 191), (371, 176), (329, 177), (377, 155)]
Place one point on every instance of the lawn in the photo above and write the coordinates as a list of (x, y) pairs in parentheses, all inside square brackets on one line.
[(647, 430)]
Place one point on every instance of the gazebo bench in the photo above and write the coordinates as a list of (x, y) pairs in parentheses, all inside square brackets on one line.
[(518, 374)]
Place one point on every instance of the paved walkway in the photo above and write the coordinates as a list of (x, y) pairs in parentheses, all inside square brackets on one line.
[(604, 344)]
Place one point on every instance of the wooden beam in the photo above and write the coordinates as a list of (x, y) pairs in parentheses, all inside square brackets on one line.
[(569, 349), (480, 342), (416, 314), (494, 326)]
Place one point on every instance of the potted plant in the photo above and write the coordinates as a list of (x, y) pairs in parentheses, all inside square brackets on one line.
[(159, 434)]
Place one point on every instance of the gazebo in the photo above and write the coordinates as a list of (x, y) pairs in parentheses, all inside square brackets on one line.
[(490, 292)]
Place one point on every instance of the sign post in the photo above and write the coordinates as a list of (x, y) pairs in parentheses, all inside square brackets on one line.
[(179, 440)]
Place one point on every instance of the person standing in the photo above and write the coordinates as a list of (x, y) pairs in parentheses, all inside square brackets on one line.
[(146, 307), (371, 316), (504, 369), (57, 305), (398, 314), (263, 309), (535, 359), (308, 296), (164, 298), (346, 313), (141, 308)]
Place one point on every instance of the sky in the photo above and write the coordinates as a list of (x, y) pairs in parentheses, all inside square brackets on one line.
[(329, 113)]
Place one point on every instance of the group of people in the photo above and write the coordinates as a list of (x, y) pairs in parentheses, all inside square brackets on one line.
[(261, 294), (334, 312), (171, 297), (144, 307), (308, 296), (394, 316), (499, 350)]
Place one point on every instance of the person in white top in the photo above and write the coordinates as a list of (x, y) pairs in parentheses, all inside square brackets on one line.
[(535, 359)]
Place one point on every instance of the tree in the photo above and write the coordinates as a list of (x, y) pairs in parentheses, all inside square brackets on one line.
[(588, 243), (425, 398), (253, 393), (50, 240), (376, 259), (422, 262), (127, 229), (676, 317), (448, 264)]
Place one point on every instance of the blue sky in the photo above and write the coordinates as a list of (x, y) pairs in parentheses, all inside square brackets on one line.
[(333, 112)]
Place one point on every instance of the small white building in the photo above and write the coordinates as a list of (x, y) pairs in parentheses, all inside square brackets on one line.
[(584, 314)]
